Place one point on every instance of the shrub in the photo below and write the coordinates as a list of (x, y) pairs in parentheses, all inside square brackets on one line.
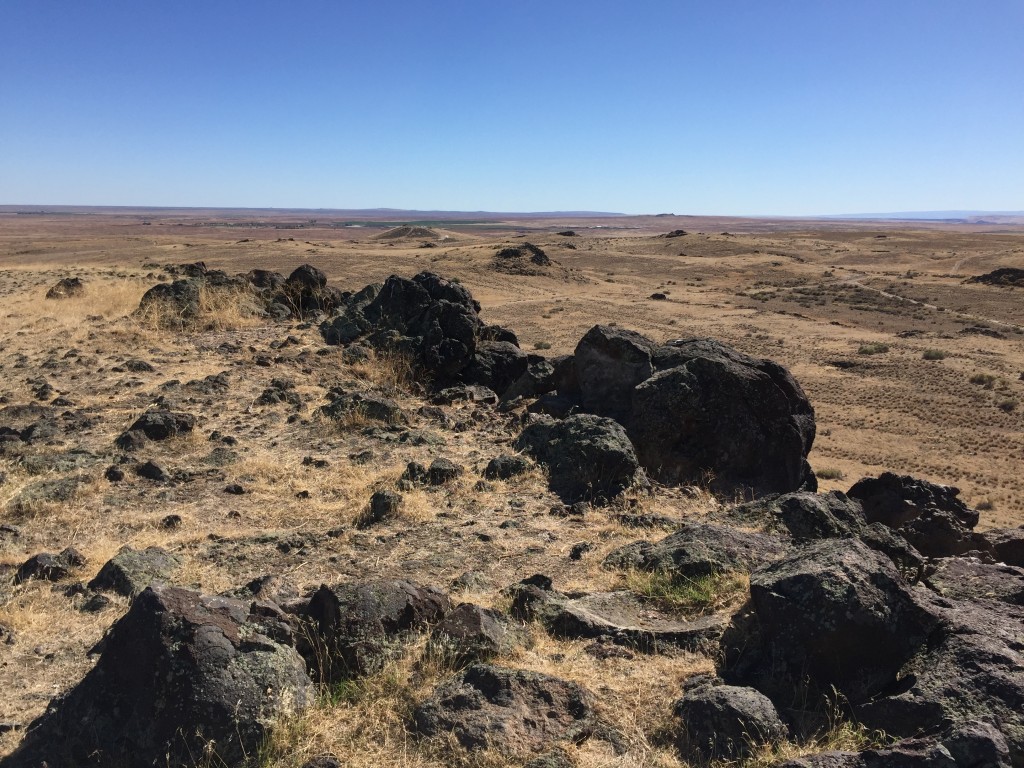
[(542, 345), (1008, 404), (829, 473), (874, 348), (986, 380), (934, 354)]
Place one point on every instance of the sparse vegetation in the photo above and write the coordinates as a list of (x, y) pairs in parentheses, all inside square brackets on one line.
[(830, 473), (986, 380), (934, 354), (874, 348), (701, 594)]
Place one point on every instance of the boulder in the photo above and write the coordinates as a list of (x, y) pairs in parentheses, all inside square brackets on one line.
[(130, 571), (588, 457), (358, 626), (305, 292), (42, 492), (505, 467), (726, 722), (837, 613), (384, 505), (610, 363), (507, 710), (365, 405), (66, 288), (180, 672), (1007, 545), (713, 415), (496, 365), (49, 567), (442, 471), (433, 320), (468, 634), (700, 549), (163, 425)]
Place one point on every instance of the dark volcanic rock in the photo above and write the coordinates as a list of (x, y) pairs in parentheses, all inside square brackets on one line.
[(929, 516), (469, 633), (66, 287), (432, 320), (700, 549), (588, 457), (442, 471), (178, 300), (508, 710), (384, 505), (49, 567), (838, 613), (712, 413), (504, 467), (365, 405), (42, 492), (130, 571), (178, 671), (726, 721), (1003, 276), (163, 425), (610, 363), (1007, 545), (967, 578), (359, 626), (496, 365)]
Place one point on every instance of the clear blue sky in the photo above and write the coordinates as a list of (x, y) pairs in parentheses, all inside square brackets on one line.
[(717, 107)]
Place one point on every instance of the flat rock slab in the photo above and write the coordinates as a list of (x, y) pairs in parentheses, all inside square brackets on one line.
[(629, 620), (967, 578)]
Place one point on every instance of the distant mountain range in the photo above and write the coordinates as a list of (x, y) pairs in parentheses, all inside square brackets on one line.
[(926, 215)]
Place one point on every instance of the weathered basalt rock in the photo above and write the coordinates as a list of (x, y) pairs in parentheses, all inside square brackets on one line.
[(508, 710), (700, 549), (469, 633), (358, 626), (66, 288), (726, 722), (130, 571), (178, 672), (588, 457)]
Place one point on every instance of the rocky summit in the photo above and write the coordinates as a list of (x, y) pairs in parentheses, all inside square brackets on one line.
[(267, 520)]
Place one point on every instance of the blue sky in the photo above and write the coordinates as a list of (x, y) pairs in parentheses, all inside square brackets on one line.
[(748, 107)]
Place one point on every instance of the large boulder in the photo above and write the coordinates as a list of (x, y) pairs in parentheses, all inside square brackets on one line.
[(836, 613), (468, 634), (306, 292), (66, 288), (610, 363), (496, 365), (181, 676), (713, 415), (130, 571), (1007, 545), (359, 626), (588, 457), (507, 710)]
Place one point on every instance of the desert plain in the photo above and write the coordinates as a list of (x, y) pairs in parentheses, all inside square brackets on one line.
[(910, 369)]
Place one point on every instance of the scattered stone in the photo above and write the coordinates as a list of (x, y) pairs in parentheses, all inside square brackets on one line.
[(114, 474), (157, 425), (130, 571), (150, 470), (171, 522), (178, 671), (505, 467), (442, 471), (234, 489), (1004, 276), (42, 492), (384, 505), (66, 288), (468, 634), (493, 708), (49, 567), (365, 405)]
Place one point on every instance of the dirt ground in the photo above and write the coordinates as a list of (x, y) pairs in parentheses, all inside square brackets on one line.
[(909, 368)]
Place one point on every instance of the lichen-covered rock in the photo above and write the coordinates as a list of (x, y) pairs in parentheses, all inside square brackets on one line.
[(469, 633), (726, 722), (179, 673), (509, 710), (358, 626), (130, 571), (700, 549), (588, 457)]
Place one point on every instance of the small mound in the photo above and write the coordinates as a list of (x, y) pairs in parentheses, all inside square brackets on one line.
[(1010, 276), (521, 259), (398, 233)]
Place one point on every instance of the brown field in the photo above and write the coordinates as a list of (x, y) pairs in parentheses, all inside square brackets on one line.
[(850, 307)]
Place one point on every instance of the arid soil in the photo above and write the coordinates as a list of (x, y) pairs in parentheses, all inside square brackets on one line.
[(910, 369)]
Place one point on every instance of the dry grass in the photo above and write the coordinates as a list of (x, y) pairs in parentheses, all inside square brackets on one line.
[(390, 371), (219, 309)]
